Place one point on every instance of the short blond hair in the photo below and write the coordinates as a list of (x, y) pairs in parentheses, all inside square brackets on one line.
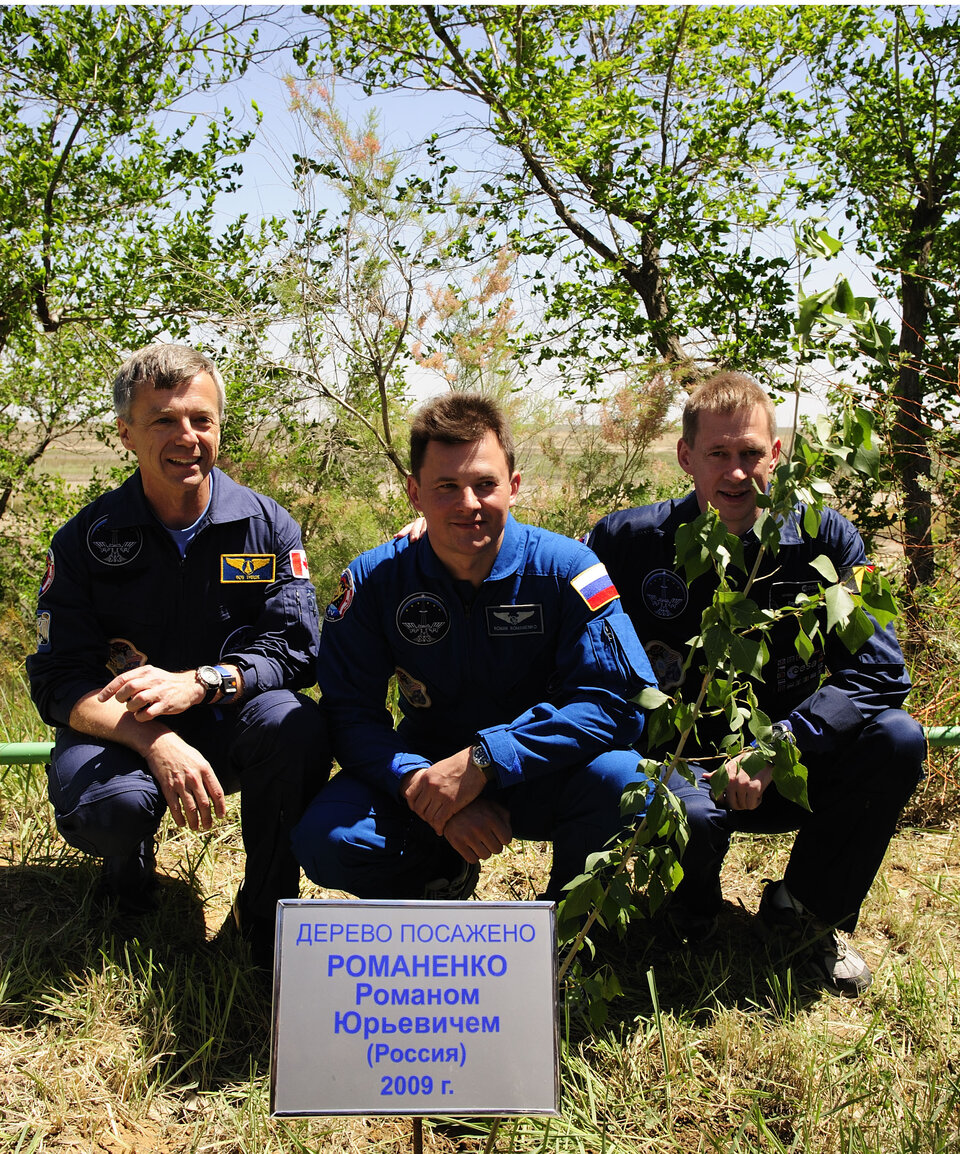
[(726, 393)]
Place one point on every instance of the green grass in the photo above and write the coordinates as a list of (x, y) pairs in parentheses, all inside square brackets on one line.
[(160, 1041)]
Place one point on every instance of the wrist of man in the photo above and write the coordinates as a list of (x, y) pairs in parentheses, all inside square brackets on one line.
[(222, 684), (481, 761)]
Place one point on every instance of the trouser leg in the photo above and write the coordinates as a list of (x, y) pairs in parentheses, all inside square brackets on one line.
[(105, 800), (278, 754), (362, 841), (708, 830), (578, 809), (857, 794)]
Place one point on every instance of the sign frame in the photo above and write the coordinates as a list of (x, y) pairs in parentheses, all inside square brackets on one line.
[(420, 994)]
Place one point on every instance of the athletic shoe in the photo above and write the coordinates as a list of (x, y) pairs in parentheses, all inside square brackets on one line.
[(825, 950), (458, 889)]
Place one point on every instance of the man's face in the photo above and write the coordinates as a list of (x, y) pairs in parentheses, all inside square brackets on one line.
[(731, 451), (175, 434), (465, 493)]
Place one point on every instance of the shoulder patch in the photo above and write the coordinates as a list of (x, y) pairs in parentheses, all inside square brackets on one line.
[(595, 587), (43, 631), (236, 568), (114, 546), (298, 563), (47, 573), (340, 604)]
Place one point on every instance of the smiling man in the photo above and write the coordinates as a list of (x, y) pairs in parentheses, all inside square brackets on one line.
[(175, 619), (515, 667), (863, 753)]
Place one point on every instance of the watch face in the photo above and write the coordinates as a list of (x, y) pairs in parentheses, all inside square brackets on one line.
[(209, 676), (481, 759)]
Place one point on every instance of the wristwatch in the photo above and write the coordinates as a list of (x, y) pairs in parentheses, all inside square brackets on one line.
[(481, 759), (217, 679), (783, 731), (209, 677)]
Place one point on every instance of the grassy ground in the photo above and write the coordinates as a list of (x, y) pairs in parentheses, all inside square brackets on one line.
[(159, 1041)]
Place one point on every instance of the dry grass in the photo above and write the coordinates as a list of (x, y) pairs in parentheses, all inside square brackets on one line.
[(160, 1042)]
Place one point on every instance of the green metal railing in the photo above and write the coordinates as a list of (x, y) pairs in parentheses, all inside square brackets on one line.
[(36, 752)]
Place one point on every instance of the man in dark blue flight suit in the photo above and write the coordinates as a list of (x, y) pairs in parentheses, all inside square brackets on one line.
[(863, 754), (515, 667), (175, 620)]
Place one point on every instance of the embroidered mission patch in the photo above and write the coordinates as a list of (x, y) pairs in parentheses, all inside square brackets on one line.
[(413, 690), (237, 567), (595, 587), (666, 663), (423, 619), (664, 594), (123, 655), (47, 573), (336, 609), (114, 546)]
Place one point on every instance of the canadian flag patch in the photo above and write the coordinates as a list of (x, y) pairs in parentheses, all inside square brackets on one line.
[(298, 563)]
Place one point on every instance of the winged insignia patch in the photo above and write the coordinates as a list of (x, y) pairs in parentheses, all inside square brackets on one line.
[(245, 567)]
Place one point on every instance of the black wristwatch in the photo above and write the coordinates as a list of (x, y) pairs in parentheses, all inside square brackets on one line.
[(482, 760)]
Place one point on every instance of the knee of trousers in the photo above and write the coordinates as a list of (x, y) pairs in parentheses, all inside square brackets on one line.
[(115, 822), (338, 832), (600, 783), (895, 745), (707, 823)]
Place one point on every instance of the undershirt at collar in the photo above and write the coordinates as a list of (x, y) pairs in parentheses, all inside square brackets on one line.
[(182, 537)]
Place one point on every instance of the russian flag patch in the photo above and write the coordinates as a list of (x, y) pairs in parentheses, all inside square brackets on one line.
[(298, 563), (595, 587)]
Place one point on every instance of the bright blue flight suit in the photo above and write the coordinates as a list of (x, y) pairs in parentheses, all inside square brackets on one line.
[(539, 664)]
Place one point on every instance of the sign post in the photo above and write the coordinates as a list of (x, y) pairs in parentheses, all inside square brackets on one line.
[(421, 1008)]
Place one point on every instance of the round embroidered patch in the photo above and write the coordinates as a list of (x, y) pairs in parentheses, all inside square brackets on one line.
[(664, 593), (423, 619), (340, 604), (114, 546)]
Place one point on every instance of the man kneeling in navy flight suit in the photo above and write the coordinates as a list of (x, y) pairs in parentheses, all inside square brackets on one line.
[(863, 754), (515, 666), (175, 619)]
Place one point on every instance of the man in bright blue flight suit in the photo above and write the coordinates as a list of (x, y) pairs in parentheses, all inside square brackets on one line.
[(863, 754), (175, 620), (515, 667)]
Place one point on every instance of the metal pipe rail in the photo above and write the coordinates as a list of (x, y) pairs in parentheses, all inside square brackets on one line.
[(37, 752)]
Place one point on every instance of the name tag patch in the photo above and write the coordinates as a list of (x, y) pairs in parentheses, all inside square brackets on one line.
[(245, 567), (511, 620)]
